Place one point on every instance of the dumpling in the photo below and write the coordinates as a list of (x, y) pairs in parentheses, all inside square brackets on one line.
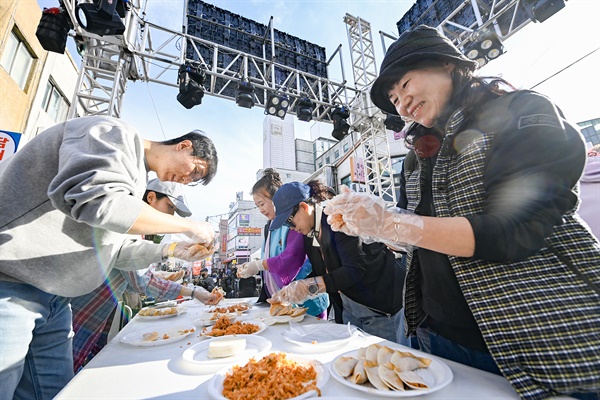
[(372, 370), (390, 377), (371, 354), (358, 375), (345, 366), (361, 353), (384, 355), (405, 361), (415, 380)]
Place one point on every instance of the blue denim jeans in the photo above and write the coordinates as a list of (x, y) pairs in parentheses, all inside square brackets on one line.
[(36, 357), (390, 328), (442, 347), (446, 348)]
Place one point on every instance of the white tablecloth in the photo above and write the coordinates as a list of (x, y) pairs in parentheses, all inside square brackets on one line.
[(122, 371)]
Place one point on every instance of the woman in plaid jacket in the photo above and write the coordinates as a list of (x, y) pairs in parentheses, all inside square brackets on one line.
[(502, 276)]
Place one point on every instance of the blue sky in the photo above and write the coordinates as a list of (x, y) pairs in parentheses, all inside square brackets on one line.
[(533, 54)]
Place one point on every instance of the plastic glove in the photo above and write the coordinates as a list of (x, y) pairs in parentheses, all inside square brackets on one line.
[(202, 232), (249, 269), (296, 292), (193, 251), (205, 296), (366, 215), (173, 276)]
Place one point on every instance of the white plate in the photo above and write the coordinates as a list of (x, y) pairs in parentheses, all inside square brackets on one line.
[(215, 385), (198, 353), (277, 319), (180, 310), (206, 319), (261, 327), (437, 369), (175, 333), (320, 337)]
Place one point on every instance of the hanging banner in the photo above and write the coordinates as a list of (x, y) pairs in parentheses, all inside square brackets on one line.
[(357, 170), (9, 142), (249, 231)]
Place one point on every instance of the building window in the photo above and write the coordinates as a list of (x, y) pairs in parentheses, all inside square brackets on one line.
[(336, 154), (327, 160), (17, 59), (55, 103), (346, 147)]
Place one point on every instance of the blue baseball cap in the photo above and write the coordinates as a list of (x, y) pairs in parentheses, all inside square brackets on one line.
[(286, 198)]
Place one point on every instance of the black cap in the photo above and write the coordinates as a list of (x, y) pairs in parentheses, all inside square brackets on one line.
[(418, 44)]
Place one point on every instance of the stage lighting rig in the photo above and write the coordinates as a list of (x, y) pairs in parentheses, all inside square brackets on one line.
[(277, 105), (100, 18), (190, 79), (485, 46), (244, 94), (339, 115), (394, 123), (53, 28), (304, 109), (541, 10)]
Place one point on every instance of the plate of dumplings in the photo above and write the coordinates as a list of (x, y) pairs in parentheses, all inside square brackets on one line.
[(391, 372)]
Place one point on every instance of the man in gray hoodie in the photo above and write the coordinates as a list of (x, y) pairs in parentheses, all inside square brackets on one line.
[(70, 198)]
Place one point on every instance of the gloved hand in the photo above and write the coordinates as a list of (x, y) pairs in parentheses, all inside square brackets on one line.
[(296, 292), (366, 215), (205, 296), (173, 276), (249, 269), (202, 232), (192, 251)]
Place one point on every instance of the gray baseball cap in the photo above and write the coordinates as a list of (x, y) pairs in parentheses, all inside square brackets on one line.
[(174, 192)]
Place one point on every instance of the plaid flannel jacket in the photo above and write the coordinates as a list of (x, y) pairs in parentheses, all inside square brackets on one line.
[(539, 317)]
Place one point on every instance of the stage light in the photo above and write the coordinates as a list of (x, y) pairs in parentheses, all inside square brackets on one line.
[(277, 105), (485, 46), (340, 126), (394, 123), (99, 20), (244, 94), (541, 10), (304, 109), (53, 29), (190, 81)]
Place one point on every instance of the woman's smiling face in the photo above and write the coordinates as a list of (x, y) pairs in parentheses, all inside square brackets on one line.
[(263, 201), (422, 94)]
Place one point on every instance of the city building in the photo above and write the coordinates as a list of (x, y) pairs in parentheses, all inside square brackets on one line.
[(39, 84), (590, 131)]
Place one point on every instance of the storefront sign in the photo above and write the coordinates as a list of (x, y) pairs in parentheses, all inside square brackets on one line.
[(9, 141), (249, 231)]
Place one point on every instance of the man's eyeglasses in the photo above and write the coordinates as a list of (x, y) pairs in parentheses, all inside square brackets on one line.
[(196, 176), (289, 222)]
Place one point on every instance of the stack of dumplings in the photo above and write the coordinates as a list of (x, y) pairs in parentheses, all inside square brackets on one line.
[(386, 369)]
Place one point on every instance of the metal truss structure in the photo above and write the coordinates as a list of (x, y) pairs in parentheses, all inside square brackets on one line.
[(366, 119), (151, 53), (459, 19)]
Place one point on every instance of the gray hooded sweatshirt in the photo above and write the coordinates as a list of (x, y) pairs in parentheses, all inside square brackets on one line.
[(67, 199)]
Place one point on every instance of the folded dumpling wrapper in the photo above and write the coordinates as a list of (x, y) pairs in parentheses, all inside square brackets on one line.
[(405, 361), (372, 369), (345, 366), (417, 379), (389, 376), (384, 355), (359, 374), (372, 351)]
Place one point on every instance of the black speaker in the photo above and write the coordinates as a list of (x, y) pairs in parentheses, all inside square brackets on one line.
[(52, 30)]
